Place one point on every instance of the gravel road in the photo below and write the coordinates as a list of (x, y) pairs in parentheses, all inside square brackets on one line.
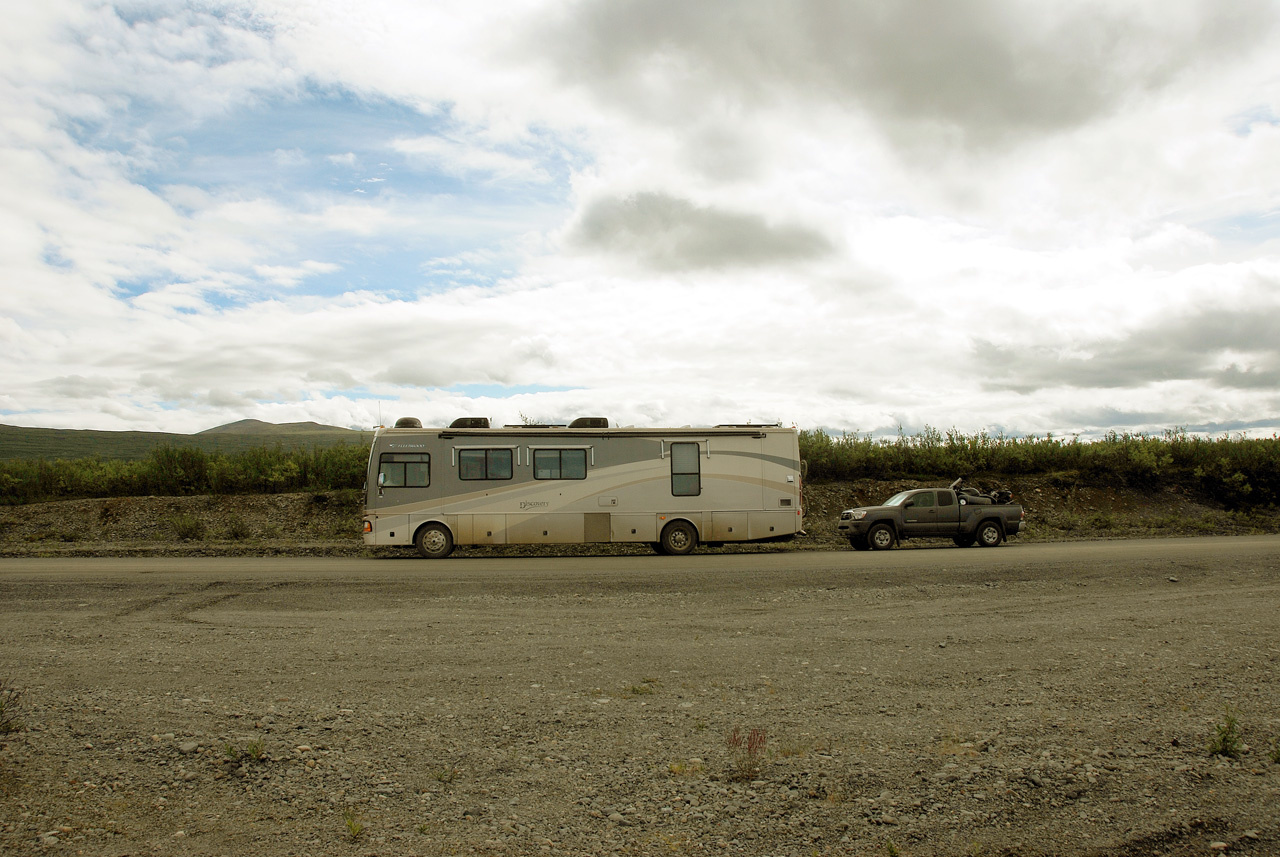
[(1034, 699)]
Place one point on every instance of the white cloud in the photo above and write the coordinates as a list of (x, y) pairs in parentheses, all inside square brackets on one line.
[(846, 214), (464, 159), (290, 275)]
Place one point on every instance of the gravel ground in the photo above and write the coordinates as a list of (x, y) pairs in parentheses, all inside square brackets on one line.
[(1051, 699)]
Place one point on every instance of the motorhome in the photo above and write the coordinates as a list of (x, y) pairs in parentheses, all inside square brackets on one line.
[(584, 482)]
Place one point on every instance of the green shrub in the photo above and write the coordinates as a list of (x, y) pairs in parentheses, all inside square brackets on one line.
[(1238, 472), (178, 471), (238, 529), (186, 527)]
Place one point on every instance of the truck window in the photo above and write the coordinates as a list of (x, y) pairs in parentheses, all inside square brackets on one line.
[(484, 464), (686, 479), (404, 470), (559, 464), (923, 499), (945, 498)]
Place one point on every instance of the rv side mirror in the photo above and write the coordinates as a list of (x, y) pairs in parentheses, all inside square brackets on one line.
[(382, 479)]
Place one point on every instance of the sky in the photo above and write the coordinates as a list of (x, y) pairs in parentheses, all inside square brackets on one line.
[(859, 216)]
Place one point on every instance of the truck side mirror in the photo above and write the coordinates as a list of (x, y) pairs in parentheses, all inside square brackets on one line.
[(382, 479)]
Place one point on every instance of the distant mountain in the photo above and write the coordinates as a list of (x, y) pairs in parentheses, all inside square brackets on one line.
[(259, 427), (50, 444)]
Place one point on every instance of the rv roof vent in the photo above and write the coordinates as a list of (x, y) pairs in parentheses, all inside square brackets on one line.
[(470, 422), (590, 422), (408, 422)]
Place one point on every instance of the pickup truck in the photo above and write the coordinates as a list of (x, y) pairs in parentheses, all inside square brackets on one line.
[(963, 515)]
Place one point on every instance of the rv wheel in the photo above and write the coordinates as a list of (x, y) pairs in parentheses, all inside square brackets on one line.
[(434, 541), (679, 538)]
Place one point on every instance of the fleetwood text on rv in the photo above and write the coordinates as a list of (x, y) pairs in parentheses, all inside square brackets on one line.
[(673, 488)]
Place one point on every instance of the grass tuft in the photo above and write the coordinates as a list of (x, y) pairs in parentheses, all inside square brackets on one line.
[(355, 827), (1227, 739), (746, 752), (10, 705), (447, 774)]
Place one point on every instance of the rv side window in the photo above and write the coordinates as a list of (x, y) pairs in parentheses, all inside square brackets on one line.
[(559, 464), (404, 470), (686, 481), (484, 464)]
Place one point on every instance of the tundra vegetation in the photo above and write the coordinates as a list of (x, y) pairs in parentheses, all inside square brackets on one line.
[(1238, 472), (177, 471)]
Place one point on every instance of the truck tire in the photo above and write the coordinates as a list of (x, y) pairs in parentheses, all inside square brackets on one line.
[(881, 537), (679, 538), (964, 541), (989, 534), (859, 543), (434, 541)]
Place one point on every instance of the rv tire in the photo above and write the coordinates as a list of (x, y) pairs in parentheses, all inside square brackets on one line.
[(434, 541), (679, 538)]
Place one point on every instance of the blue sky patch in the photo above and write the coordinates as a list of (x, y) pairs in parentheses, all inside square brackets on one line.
[(429, 197), (499, 391)]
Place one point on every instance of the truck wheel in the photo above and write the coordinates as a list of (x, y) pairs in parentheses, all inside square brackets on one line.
[(989, 534), (964, 541), (881, 537), (859, 543), (679, 538), (434, 541)]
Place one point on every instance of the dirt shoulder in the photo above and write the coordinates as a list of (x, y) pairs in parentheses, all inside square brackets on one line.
[(328, 524)]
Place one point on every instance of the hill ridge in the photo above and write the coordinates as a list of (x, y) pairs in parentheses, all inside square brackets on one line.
[(23, 442), (252, 426)]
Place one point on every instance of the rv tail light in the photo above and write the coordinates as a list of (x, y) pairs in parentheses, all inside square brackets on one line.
[(368, 526)]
